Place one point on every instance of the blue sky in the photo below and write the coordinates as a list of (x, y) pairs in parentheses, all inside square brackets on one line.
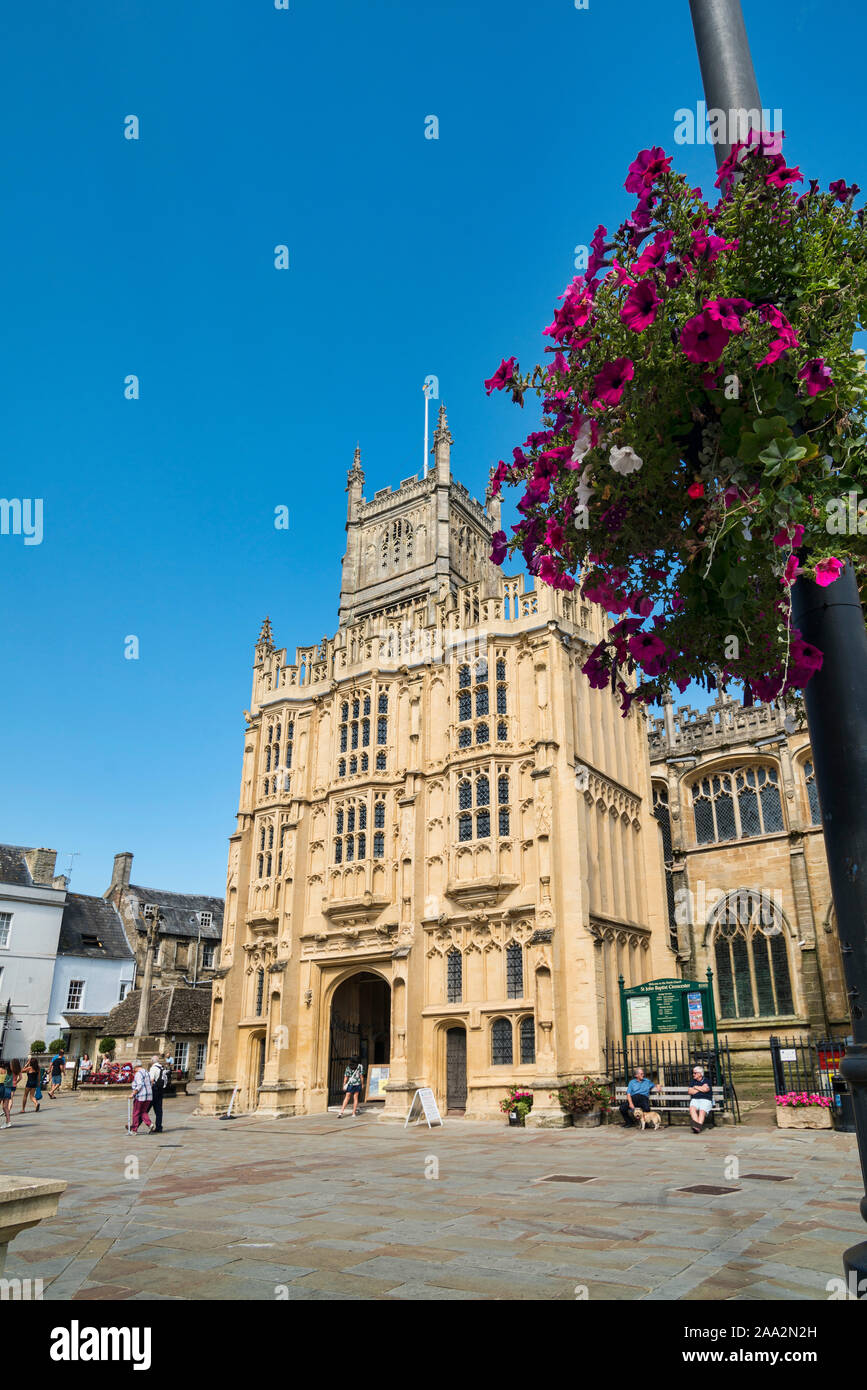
[(408, 256)]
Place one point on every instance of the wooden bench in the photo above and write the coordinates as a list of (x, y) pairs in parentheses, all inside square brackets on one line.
[(674, 1100)]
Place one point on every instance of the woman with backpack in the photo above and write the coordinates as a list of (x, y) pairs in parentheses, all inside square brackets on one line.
[(353, 1077)]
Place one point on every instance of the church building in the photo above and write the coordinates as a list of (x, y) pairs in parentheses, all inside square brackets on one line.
[(446, 851)]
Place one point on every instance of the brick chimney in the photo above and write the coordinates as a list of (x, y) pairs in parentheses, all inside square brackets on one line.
[(119, 875), (41, 863)]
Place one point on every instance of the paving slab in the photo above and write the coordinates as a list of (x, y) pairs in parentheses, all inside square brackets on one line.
[(319, 1210)]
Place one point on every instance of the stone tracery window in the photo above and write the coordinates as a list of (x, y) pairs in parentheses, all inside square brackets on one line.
[(454, 976), (501, 1042), (812, 794), (751, 958), (474, 701), (514, 971), (527, 1036), (737, 804), (663, 815), (350, 825)]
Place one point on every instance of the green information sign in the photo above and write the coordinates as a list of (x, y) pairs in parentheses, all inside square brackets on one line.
[(668, 1006)]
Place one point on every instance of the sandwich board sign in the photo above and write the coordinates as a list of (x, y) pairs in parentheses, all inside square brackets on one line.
[(424, 1101)]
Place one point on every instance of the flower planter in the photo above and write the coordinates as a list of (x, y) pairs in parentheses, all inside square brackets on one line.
[(589, 1120), (516, 1120), (803, 1117)]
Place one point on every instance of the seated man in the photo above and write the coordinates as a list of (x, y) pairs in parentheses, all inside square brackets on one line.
[(637, 1096), (700, 1098)]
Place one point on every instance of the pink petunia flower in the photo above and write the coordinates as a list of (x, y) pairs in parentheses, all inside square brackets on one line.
[(609, 383), (502, 376), (499, 547), (695, 490), (816, 376), (827, 571), (728, 312), (703, 338), (640, 306), (842, 192), (646, 168)]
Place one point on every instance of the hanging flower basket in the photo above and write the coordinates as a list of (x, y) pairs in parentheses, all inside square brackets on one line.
[(702, 438)]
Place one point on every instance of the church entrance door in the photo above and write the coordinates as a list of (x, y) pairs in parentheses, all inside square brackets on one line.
[(360, 1028), (456, 1071)]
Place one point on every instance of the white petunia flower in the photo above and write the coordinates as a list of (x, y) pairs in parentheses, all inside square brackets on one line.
[(625, 460), (582, 444)]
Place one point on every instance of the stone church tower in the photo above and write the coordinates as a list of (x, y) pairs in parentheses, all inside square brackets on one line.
[(446, 851)]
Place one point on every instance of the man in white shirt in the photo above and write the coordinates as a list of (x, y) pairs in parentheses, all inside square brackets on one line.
[(159, 1081)]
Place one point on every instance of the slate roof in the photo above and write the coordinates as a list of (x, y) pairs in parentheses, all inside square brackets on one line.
[(13, 865), (179, 911), (92, 917), (176, 1010), (87, 1021)]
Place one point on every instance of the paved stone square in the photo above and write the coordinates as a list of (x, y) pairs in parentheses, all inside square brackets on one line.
[(326, 1208)]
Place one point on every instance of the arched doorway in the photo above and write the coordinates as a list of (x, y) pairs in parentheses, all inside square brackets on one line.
[(456, 1071), (360, 1028), (255, 1072)]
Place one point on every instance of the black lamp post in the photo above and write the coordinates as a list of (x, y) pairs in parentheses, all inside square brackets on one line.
[(832, 620)]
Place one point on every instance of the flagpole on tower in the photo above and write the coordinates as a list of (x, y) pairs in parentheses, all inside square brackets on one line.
[(426, 388)]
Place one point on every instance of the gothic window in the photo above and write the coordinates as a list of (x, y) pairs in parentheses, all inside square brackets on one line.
[(474, 795), (380, 762), (379, 813), (379, 845), (341, 768), (268, 758), (355, 733), (474, 703), (364, 762), (356, 708), (663, 816), (464, 677), (454, 976), (408, 530), (353, 766), (290, 734), (344, 737), (350, 822), (465, 738), (384, 553), (528, 1040), (750, 956), (267, 866), (367, 704), (465, 705), (502, 733), (812, 794), (514, 972), (482, 733), (365, 733), (501, 1043), (262, 838), (260, 864), (344, 711), (737, 805), (260, 992)]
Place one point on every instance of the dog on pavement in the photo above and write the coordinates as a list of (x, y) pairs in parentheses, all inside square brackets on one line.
[(649, 1119)]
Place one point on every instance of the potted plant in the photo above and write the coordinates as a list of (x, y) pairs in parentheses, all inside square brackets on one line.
[(517, 1105), (803, 1110), (584, 1101)]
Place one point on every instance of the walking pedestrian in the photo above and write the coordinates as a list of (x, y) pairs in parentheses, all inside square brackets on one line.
[(11, 1074), (353, 1077), (58, 1062), (159, 1085), (142, 1097), (31, 1084)]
